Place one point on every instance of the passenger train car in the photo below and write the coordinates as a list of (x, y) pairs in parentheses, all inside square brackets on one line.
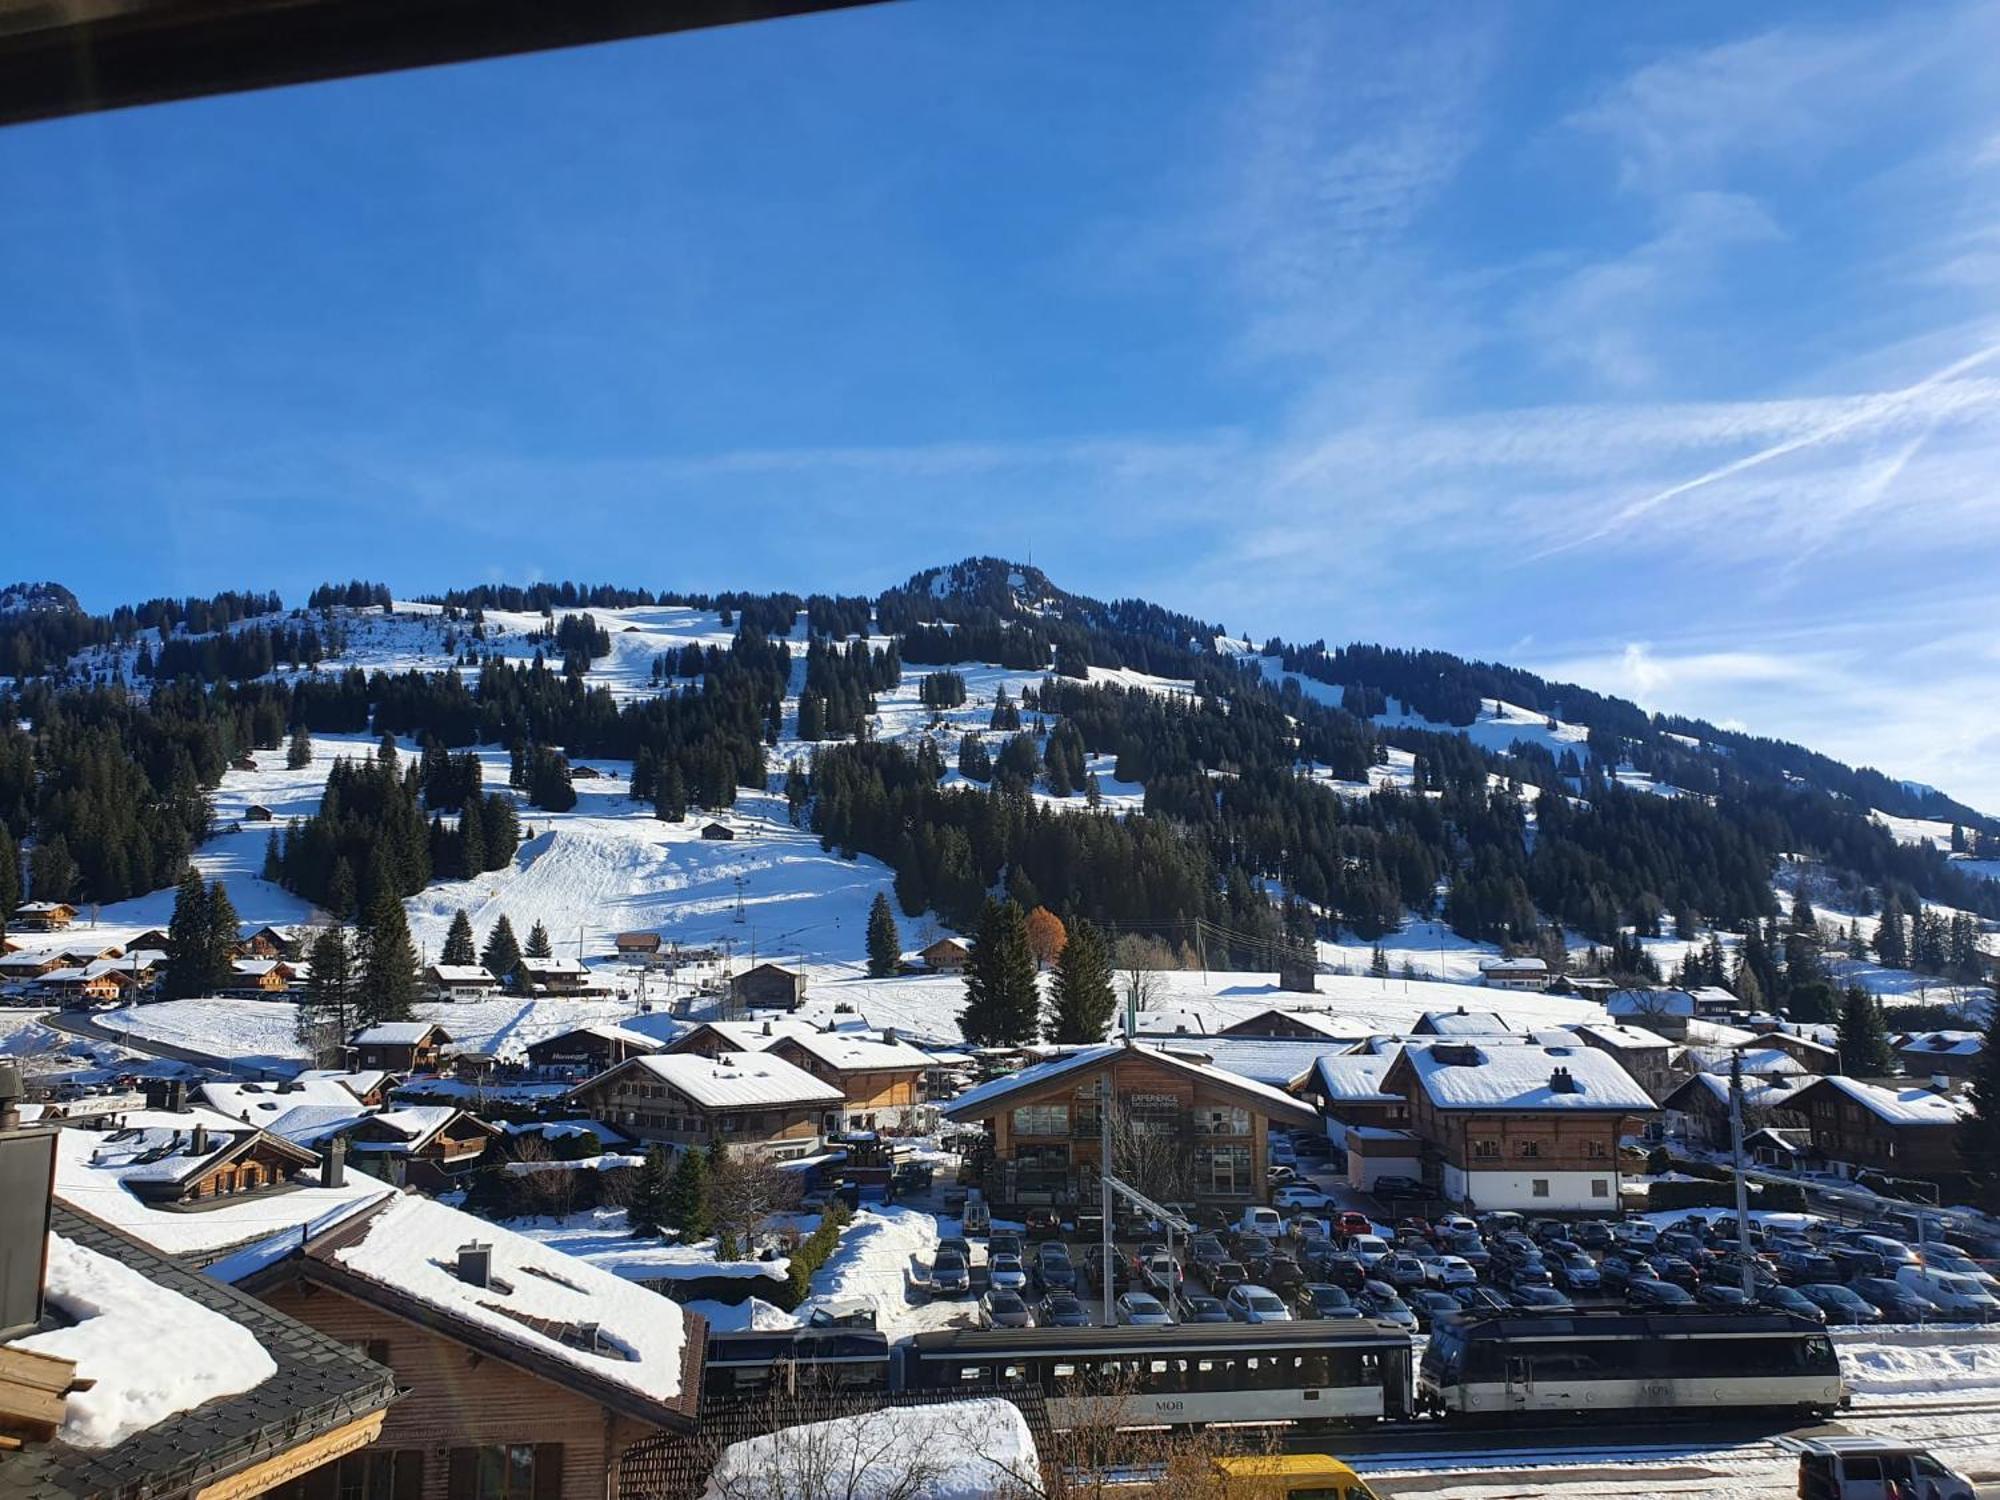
[(1197, 1373), (1618, 1361)]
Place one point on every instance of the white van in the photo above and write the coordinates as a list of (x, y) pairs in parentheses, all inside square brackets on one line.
[(1867, 1468), (1260, 1220), (1957, 1297)]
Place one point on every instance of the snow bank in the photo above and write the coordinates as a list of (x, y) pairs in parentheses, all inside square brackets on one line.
[(1920, 1361), (958, 1450), (133, 1339), (877, 1252)]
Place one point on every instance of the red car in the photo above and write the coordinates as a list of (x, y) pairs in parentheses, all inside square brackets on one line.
[(1351, 1222), (1043, 1224)]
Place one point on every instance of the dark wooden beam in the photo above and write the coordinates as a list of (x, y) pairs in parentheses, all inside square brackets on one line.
[(66, 57)]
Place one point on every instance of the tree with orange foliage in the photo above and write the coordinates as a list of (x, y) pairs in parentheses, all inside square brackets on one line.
[(1046, 935)]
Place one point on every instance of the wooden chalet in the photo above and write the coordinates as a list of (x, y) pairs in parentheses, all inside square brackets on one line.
[(256, 812), (719, 832), (1898, 1128), (527, 1374), (768, 987), (460, 982), (947, 955), (44, 916), (202, 1163), (879, 1080), (422, 1145), (400, 1047), (638, 947), (751, 1101), (589, 1050)]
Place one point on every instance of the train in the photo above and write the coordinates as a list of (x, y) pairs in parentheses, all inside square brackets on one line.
[(1325, 1373)]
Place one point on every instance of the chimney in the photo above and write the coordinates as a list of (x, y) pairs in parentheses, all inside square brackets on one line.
[(333, 1165), (27, 1182), (198, 1140), (177, 1095), (475, 1264), (889, 1036), (587, 1339), (767, 1027), (1560, 1082)]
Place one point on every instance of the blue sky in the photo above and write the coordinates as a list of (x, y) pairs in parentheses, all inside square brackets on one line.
[(1656, 347)]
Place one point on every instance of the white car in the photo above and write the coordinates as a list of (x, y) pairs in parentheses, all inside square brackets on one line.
[(1256, 1304), (1143, 1310), (1448, 1271), (1260, 1220), (1300, 1196), (1006, 1273), (1370, 1247), (1956, 1297)]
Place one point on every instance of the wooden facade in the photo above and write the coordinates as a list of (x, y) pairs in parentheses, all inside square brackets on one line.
[(646, 1107), (1845, 1130), (256, 1162), (871, 1094), (768, 987), (420, 1055)]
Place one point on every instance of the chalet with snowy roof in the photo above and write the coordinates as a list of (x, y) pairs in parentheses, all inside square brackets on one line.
[(1530, 974), (145, 1378), (104, 982), (718, 832), (1159, 1023), (1277, 1061), (638, 947), (1954, 1054), (749, 1100), (401, 1047), (947, 955), (1902, 1130), (370, 1085), (1665, 1012), (585, 1051), (553, 976), (1646, 1055), (1461, 1022), (528, 1374), (460, 981), (1192, 1131), (879, 1079), (269, 942), (1714, 1003), (1698, 1110), (257, 812), (84, 954), (1297, 1025), (768, 987), (422, 1145), (260, 1103), (1529, 1128), (44, 916), (152, 937), (711, 1038), (26, 967), (264, 976)]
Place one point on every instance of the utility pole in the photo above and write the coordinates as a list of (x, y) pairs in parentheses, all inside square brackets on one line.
[(1104, 1190), (1742, 1188)]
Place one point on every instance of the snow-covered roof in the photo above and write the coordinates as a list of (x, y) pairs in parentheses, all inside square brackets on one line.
[(1354, 1079), (1462, 1022), (955, 1450), (1171, 1023), (560, 1309), (462, 974), (1273, 1060), (260, 1103), (859, 1053), (755, 1036), (980, 1102), (1757, 1061), (603, 1031), (398, 1033), (1613, 1035), (734, 1080), (1482, 1077), (356, 1081), (415, 1124), (1339, 1028), (1944, 1043), (101, 1184), (1643, 1003), (554, 966), (1513, 966), (312, 1124), (1916, 1105), (257, 968)]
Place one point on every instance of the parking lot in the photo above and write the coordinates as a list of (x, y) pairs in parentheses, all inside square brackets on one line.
[(1330, 1252)]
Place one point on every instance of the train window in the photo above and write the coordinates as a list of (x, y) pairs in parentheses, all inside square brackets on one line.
[(1062, 1369), (1315, 1370), (1371, 1368), (1013, 1374), (1163, 1375), (969, 1375)]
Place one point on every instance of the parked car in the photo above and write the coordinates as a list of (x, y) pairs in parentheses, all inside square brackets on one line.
[(1782, 1298), (1006, 1244), (1004, 1309), (1143, 1310), (1648, 1292), (1620, 1266), (950, 1275), (1854, 1262), (1575, 1273), (1163, 1274), (1723, 1297), (1379, 1300), (1802, 1268), (1370, 1247), (1205, 1247), (1395, 1189), (1469, 1247), (1220, 1275), (1447, 1271), (1542, 1298), (1053, 1270), (1896, 1302), (1042, 1224), (1257, 1219), (1403, 1272), (1256, 1304), (1674, 1268), (957, 1245), (1481, 1299), (1199, 1307), (1525, 1270), (1343, 1268), (1498, 1221), (1062, 1310), (1006, 1272), (1893, 1251), (1635, 1234), (1945, 1258), (1298, 1195), (1352, 1222), (1429, 1304), (1592, 1234), (1958, 1298), (1094, 1269), (1281, 1273), (1316, 1299), (1871, 1468), (1839, 1304), (1280, 1175)]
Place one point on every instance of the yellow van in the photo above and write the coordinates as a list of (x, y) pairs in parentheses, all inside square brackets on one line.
[(1291, 1476)]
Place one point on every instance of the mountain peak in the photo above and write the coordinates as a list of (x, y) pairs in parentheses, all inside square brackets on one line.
[(38, 598)]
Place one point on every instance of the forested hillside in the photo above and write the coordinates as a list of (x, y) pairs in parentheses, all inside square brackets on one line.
[(1266, 790)]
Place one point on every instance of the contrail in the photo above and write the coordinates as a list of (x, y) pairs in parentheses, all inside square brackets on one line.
[(1870, 411)]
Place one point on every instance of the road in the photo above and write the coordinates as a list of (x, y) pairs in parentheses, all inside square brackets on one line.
[(76, 1023)]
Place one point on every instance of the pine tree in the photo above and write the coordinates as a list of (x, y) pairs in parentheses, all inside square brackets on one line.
[(684, 1200), (10, 876), (388, 987), (187, 939), (299, 753), (1803, 919), (647, 1209), (1979, 1135), (458, 948), (326, 1010), (539, 945), (1863, 1037), (1002, 1003), (885, 943), (274, 863), (1891, 941), (670, 801), (1378, 962), (1082, 999), (340, 892), (501, 956)]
